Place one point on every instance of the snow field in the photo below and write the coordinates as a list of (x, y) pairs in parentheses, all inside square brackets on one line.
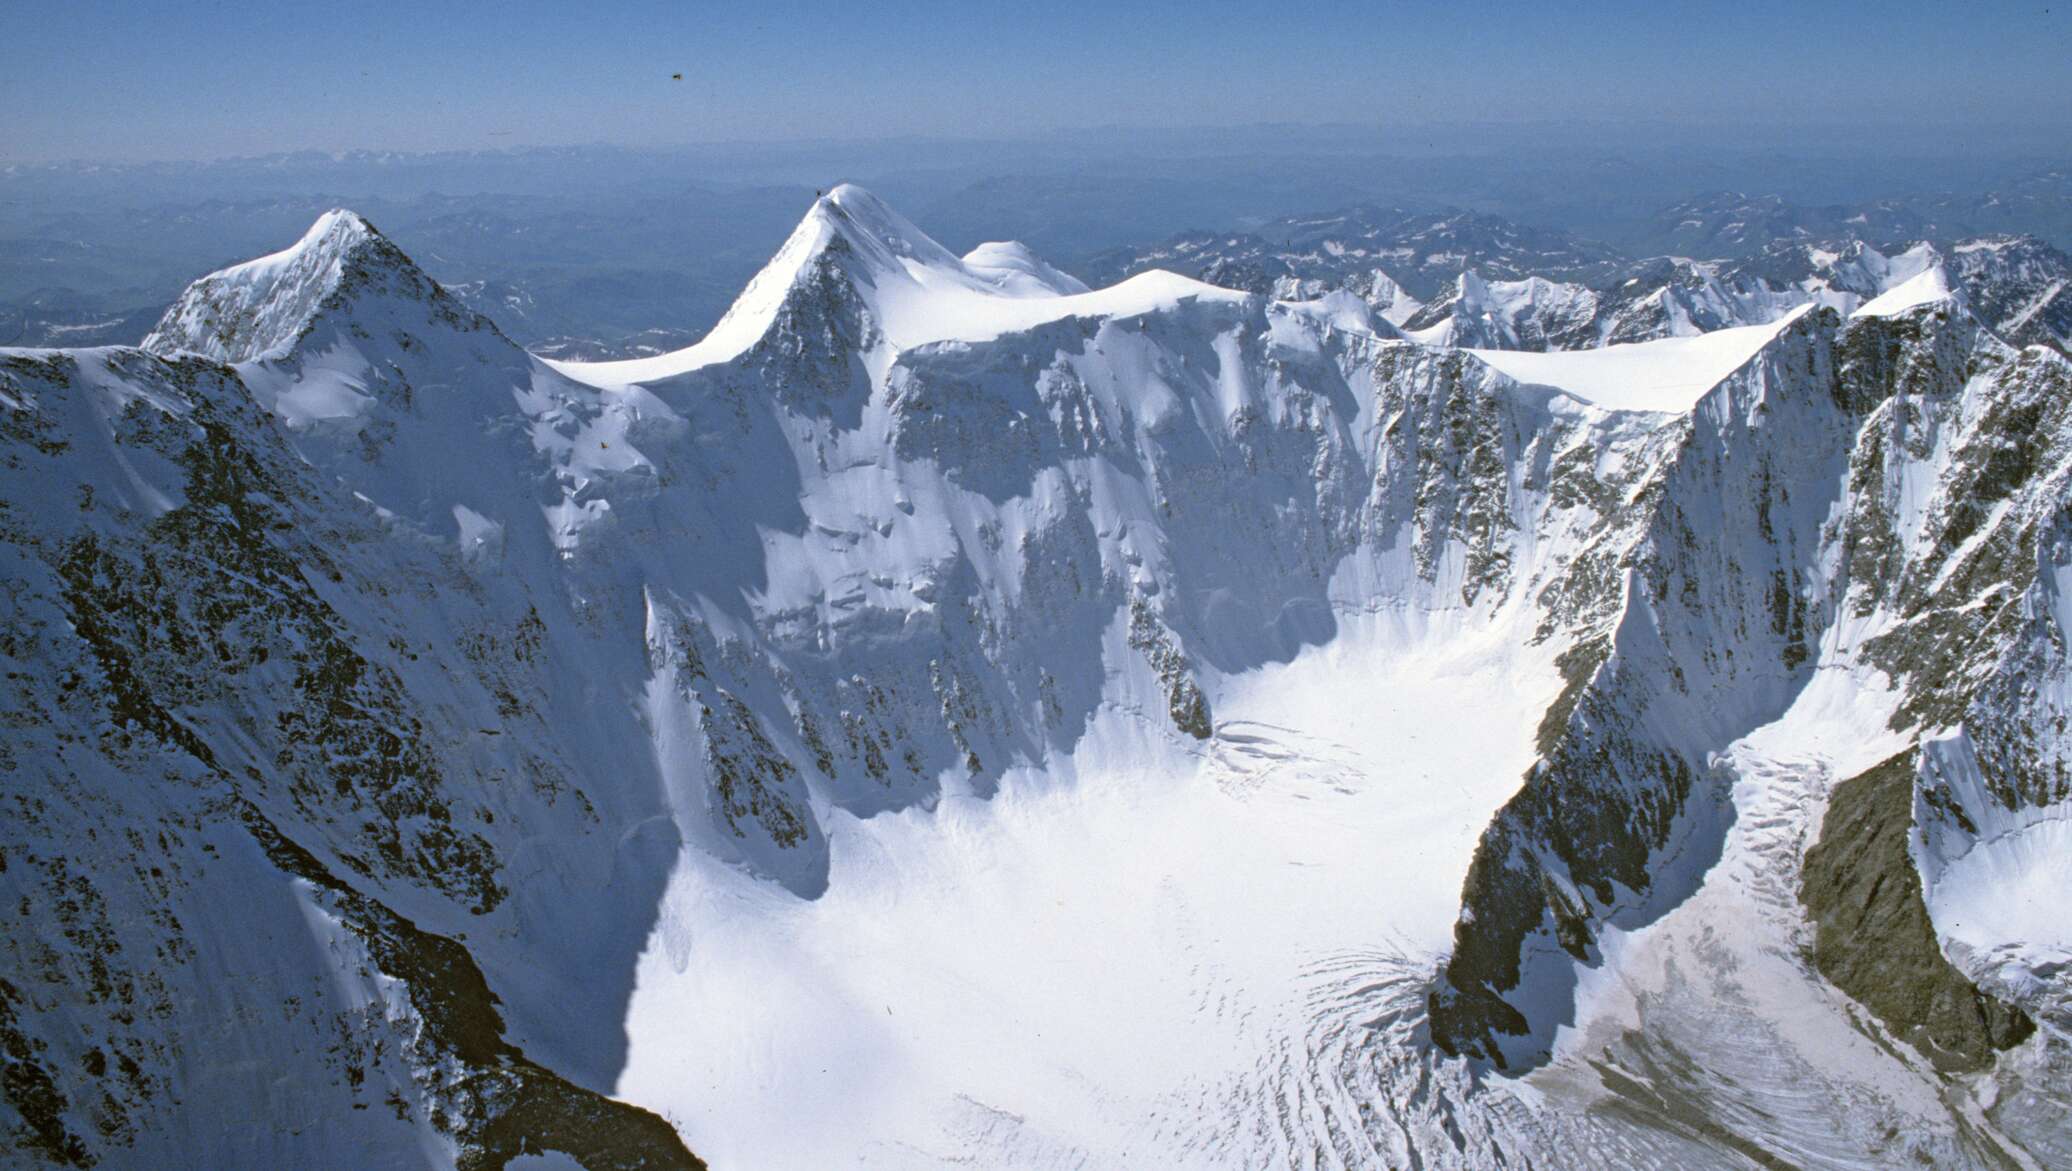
[(1069, 968)]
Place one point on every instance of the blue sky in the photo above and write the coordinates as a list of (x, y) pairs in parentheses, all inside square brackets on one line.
[(112, 79)]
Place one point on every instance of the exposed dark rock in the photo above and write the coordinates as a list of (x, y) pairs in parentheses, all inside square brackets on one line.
[(502, 1104), (1872, 935), (1185, 703)]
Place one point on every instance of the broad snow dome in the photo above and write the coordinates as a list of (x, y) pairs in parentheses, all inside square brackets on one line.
[(1019, 272)]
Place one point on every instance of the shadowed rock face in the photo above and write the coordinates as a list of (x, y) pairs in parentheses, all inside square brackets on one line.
[(1872, 934)]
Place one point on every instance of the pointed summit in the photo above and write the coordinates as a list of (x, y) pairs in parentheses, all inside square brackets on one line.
[(852, 244), (262, 307), (886, 240), (849, 240), (856, 274)]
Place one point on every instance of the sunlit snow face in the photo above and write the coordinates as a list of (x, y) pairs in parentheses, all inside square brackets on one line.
[(1114, 952)]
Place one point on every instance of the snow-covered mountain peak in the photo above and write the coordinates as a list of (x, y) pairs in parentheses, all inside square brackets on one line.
[(869, 225), (332, 233), (262, 307), (858, 275), (848, 239)]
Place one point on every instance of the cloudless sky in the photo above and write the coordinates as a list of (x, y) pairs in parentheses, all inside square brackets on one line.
[(108, 79)]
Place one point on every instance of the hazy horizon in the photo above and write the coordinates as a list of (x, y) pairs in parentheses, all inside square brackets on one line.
[(218, 81), (1900, 139)]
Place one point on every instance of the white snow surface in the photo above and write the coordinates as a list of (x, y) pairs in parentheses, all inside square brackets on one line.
[(1667, 374), (1106, 959), (1930, 285), (2011, 893), (915, 290), (1020, 272)]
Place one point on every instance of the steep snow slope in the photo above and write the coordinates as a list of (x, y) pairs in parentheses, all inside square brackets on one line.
[(1927, 286), (949, 715)]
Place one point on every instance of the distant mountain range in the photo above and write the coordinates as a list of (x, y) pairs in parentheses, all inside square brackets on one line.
[(1476, 280), (602, 251), (1728, 224)]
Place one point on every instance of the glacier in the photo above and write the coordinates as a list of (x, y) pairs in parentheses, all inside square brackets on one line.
[(950, 714)]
